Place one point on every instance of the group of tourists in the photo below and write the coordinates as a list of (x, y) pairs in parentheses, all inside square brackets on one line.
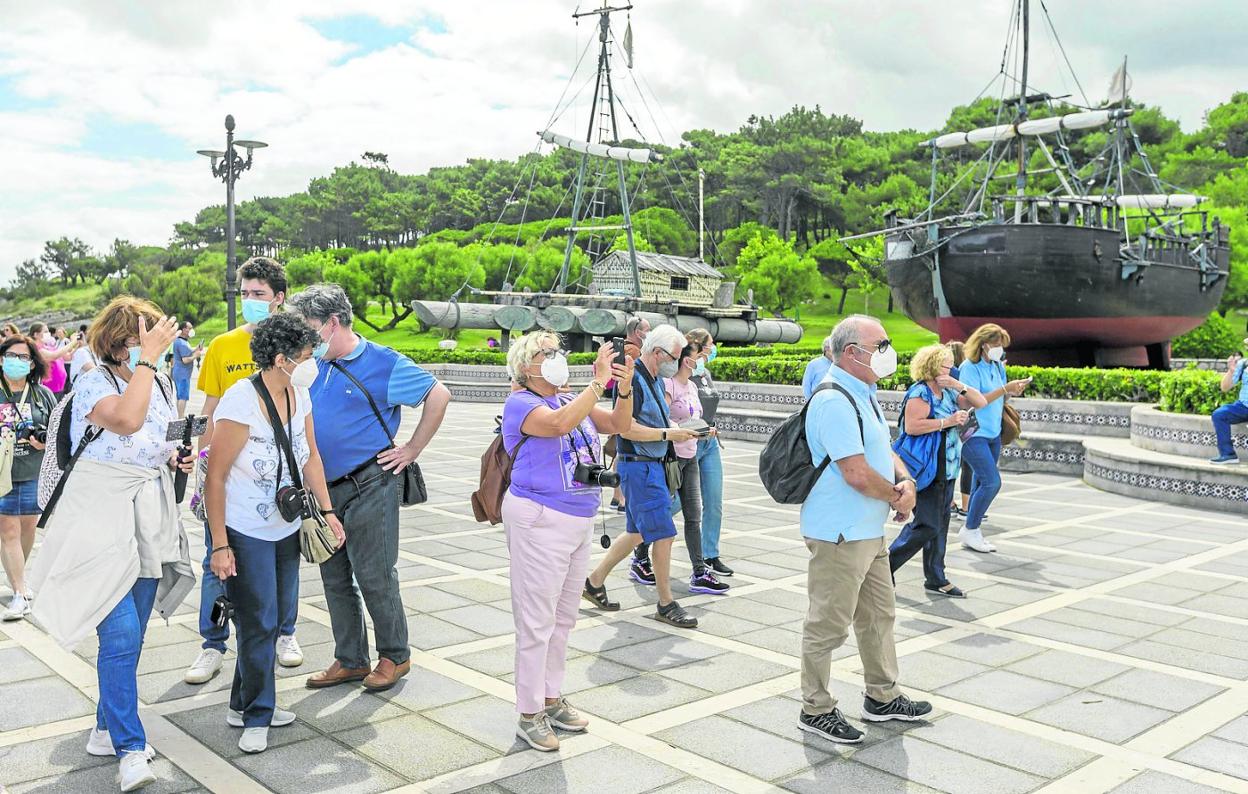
[(116, 547)]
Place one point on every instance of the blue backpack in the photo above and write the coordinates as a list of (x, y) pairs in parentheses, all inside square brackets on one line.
[(919, 453)]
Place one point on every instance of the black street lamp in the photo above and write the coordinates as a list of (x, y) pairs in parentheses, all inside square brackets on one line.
[(231, 167)]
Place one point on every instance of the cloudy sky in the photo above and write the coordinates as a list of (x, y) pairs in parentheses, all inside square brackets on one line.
[(102, 105)]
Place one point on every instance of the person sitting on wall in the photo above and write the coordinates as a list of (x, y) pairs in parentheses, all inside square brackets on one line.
[(1231, 413)]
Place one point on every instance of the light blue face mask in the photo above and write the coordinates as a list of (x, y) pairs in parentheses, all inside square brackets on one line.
[(320, 351), (699, 369), (15, 368), (714, 353), (255, 311), (135, 353)]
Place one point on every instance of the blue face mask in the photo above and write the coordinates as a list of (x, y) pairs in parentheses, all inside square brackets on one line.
[(714, 353), (320, 351), (255, 311), (16, 369), (699, 369), (135, 353)]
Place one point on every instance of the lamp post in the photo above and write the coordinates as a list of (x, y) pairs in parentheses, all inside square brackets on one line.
[(228, 170)]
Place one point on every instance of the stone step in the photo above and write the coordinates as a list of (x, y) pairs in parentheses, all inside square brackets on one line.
[(1189, 435), (1119, 466)]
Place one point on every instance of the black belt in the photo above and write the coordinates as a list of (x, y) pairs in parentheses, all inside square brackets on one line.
[(355, 473), (639, 459)]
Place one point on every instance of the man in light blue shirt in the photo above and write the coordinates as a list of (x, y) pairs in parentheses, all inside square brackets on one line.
[(817, 369), (843, 524), (1231, 413)]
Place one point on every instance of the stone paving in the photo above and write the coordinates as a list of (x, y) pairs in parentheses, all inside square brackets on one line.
[(1103, 648)]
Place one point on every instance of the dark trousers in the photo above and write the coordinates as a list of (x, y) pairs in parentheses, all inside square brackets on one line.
[(265, 569), (1223, 418), (368, 505), (210, 587), (928, 530)]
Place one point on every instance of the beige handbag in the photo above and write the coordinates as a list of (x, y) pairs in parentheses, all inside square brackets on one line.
[(8, 442)]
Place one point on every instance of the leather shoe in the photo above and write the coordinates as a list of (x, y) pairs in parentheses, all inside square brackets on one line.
[(335, 675), (386, 674)]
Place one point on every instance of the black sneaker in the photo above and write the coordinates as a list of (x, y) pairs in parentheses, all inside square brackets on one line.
[(641, 572), (675, 615), (717, 565), (598, 597), (832, 726), (900, 708), (705, 582)]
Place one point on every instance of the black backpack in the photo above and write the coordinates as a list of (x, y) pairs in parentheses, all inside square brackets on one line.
[(784, 465)]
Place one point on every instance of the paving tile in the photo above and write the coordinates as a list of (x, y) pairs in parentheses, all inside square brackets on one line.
[(1100, 716), (169, 780), (944, 769), (611, 769), (421, 689), (1067, 668), (616, 634), (207, 726), (691, 786), (1001, 690), (930, 671), (1191, 658), (1219, 755), (746, 748), (787, 642), (482, 619), (392, 744), (431, 599), (1235, 731), (662, 653), (1158, 689), (168, 684), (1151, 782), (47, 758), (726, 672), (1002, 746), (637, 697), (337, 708), (988, 650), (487, 719), (427, 632), (323, 766), (35, 701), (17, 664)]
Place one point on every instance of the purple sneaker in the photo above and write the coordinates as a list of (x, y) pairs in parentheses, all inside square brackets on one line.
[(705, 582), (641, 572)]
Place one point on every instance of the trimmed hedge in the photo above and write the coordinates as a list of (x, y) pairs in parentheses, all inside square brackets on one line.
[(1193, 391)]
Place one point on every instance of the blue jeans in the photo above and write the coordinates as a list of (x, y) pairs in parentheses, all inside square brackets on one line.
[(1223, 418), (929, 531), (121, 640), (264, 568), (711, 474), (982, 455), (210, 587)]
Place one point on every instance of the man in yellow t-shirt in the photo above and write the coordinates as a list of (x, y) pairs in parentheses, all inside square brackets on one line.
[(262, 285)]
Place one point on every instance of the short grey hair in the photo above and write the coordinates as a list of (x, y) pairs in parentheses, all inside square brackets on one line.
[(847, 332), (664, 337), (525, 349), (320, 302), (828, 345)]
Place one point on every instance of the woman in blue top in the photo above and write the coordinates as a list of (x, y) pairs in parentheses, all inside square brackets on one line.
[(936, 403), (984, 370)]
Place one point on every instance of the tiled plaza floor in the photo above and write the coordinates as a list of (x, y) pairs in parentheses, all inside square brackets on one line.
[(1103, 648)]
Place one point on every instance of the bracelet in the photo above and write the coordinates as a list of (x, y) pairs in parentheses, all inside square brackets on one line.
[(222, 548), (328, 511), (598, 388), (147, 364)]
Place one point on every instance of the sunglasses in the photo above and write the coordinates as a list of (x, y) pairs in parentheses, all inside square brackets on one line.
[(882, 347)]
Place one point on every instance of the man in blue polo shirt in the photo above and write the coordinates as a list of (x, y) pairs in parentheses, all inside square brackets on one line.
[(361, 463), (1231, 413), (817, 369), (848, 579)]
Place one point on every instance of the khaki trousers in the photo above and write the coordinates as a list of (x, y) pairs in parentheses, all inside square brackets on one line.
[(848, 581)]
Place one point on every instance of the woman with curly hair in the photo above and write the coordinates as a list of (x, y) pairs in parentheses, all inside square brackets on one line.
[(254, 550)]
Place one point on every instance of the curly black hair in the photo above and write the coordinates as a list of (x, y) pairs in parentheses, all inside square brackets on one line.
[(282, 333), (262, 268)]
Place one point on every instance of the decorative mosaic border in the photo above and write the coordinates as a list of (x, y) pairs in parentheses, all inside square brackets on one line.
[(1073, 459), (1066, 418), (1174, 485), (1174, 435)]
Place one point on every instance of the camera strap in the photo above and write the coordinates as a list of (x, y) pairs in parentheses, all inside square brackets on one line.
[(279, 432)]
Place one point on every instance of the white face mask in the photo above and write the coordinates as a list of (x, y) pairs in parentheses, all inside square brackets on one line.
[(996, 353), (555, 370), (304, 374), (190, 334), (884, 363)]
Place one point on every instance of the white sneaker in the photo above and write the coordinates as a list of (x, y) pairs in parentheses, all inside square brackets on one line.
[(100, 743), (19, 607), (134, 773), (973, 539), (289, 654), (254, 740), (281, 718), (205, 666)]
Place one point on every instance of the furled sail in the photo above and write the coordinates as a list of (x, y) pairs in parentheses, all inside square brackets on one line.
[(601, 149), (1004, 132), (1157, 201)]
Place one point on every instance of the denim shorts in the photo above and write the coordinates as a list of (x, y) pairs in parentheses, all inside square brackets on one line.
[(182, 388), (648, 505), (21, 501)]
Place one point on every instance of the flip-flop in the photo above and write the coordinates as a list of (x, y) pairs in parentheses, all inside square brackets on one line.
[(952, 592)]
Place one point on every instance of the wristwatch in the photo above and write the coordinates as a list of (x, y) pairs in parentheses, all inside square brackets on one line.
[(963, 392)]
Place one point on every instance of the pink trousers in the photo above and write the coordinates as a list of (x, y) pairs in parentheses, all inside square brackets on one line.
[(549, 560)]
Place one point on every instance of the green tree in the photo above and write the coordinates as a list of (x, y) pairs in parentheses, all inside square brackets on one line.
[(832, 259), (779, 278), (302, 271), (433, 271), (358, 287), (187, 295)]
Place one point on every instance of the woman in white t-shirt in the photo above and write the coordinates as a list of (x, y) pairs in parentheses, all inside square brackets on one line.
[(254, 550)]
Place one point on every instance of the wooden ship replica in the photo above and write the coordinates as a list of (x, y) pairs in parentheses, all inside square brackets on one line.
[(682, 291)]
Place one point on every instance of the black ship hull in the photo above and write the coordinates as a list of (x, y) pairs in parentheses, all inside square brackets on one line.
[(1059, 290)]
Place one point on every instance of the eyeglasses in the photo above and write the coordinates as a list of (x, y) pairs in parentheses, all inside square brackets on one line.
[(669, 355), (882, 347), (18, 357), (550, 352)]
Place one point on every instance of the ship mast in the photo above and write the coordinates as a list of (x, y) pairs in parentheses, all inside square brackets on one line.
[(602, 115), (1020, 183)]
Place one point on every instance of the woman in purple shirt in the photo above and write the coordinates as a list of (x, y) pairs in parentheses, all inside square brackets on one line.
[(548, 515)]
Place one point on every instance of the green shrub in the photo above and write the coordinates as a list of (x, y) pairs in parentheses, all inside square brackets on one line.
[(1192, 391), (1214, 339)]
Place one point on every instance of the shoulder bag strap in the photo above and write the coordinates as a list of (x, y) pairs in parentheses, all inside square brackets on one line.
[(279, 433), (371, 402)]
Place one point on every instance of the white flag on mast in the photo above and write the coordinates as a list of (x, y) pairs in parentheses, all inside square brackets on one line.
[(1119, 85), (628, 44)]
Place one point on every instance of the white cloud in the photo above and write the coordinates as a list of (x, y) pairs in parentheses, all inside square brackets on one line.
[(483, 79)]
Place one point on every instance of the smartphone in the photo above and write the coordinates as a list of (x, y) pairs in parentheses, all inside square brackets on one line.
[(617, 345)]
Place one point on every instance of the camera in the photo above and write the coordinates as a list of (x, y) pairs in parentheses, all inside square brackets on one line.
[(28, 431), (222, 611), (596, 474)]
